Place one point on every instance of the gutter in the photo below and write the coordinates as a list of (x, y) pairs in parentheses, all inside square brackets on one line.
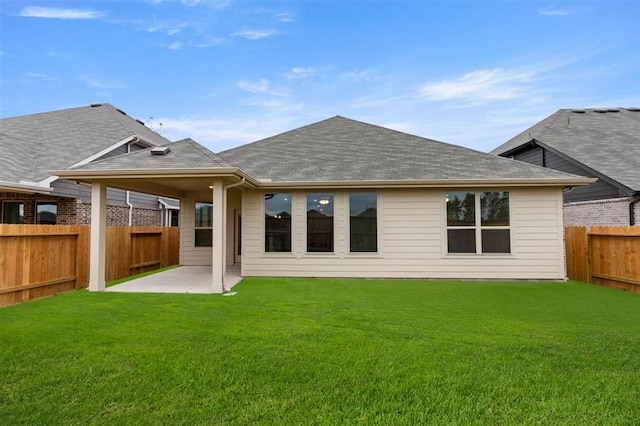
[(25, 188), (635, 199)]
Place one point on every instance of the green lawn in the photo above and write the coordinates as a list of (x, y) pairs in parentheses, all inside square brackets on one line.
[(295, 351)]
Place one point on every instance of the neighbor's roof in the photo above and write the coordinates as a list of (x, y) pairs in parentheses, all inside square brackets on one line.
[(32, 145), (605, 140), (343, 150)]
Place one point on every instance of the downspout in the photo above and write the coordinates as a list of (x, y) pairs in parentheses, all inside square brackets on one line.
[(632, 211), (128, 192), (233, 185)]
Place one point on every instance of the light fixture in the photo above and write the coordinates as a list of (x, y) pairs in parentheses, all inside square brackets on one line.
[(210, 186), (324, 201)]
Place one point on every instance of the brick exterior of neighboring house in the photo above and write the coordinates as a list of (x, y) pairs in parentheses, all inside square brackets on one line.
[(71, 211), (613, 211)]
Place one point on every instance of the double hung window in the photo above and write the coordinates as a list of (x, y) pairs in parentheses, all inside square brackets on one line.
[(203, 225)]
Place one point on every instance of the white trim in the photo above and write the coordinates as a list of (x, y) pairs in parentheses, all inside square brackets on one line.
[(105, 151), (25, 187)]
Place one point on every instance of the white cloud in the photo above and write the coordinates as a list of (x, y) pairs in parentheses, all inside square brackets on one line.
[(481, 86), (300, 72), (219, 134), (254, 34), (211, 42), (101, 84), (175, 46), (553, 12), (286, 17), (56, 13), (262, 86), (41, 77), (169, 29), (362, 76)]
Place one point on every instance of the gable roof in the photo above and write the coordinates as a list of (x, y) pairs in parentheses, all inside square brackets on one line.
[(32, 145), (604, 140), (181, 155), (344, 150)]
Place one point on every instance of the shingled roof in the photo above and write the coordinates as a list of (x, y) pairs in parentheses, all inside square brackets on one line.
[(341, 149), (181, 155), (606, 140), (32, 145)]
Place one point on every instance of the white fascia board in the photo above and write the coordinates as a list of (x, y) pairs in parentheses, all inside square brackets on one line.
[(25, 187), (444, 183), (167, 205), (103, 152)]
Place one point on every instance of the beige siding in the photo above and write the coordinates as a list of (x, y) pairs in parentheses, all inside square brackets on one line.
[(194, 256), (412, 240)]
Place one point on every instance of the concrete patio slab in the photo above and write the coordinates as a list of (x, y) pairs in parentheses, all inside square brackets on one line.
[(184, 279)]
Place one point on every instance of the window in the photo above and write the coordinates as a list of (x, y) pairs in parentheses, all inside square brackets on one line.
[(363, 222), (319, 222), (174, 218), (46, 213), (478, 222), (277, 223), (203, 228), (13, 212)]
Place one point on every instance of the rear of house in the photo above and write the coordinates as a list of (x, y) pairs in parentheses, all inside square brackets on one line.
[(342, 198)]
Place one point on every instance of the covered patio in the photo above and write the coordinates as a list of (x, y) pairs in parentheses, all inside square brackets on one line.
[(183, 279)]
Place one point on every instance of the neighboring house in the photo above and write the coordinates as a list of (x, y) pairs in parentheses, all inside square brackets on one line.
[(342, 198), (599, 143), (32, 145)]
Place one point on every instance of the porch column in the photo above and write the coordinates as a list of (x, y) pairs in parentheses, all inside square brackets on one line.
[(98, 247), (218, 243)]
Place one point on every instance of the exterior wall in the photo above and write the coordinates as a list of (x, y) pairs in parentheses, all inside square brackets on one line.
[(66, 214), (198, 256), (596, 191), (119, 216), (412, 240), (600, 212)]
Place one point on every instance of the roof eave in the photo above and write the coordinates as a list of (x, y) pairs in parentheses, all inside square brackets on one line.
[(89, 175), (24, 188), (437, 183)]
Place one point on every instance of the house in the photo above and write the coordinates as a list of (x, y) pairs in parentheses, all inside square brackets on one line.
[(32, 145), (598, 143), (342, 198)]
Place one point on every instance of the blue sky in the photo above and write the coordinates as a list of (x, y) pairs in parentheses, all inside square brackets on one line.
[(472, 73)]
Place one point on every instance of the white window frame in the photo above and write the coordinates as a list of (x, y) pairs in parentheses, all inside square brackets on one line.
[(348, 223), (478, 224)]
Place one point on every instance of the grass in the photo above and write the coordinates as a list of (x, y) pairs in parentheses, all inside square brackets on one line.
[(295, 351), (136, 276)]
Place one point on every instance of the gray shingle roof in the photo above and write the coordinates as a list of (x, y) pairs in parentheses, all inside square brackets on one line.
[(340, 149), (32, 145), (605, 140), (184, 154)]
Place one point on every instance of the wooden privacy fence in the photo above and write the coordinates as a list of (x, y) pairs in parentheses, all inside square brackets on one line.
[(41, 260), (604, 255)]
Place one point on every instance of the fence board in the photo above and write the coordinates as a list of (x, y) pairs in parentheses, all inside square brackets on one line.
[(41, 260), (604, 255)]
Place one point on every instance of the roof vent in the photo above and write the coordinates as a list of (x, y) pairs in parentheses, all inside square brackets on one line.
[(95, 105), (121, 111), (578, 111), (160, 150), (634, 109), (600, 110), (613, 110), (140, 121)]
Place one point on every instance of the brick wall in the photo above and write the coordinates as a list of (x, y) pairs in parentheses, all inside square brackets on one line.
[(119, 216), (66, 210), (614, 211), (71, 211)]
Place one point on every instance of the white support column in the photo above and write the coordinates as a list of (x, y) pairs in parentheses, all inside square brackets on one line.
[(98, 237), (219, 233)]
